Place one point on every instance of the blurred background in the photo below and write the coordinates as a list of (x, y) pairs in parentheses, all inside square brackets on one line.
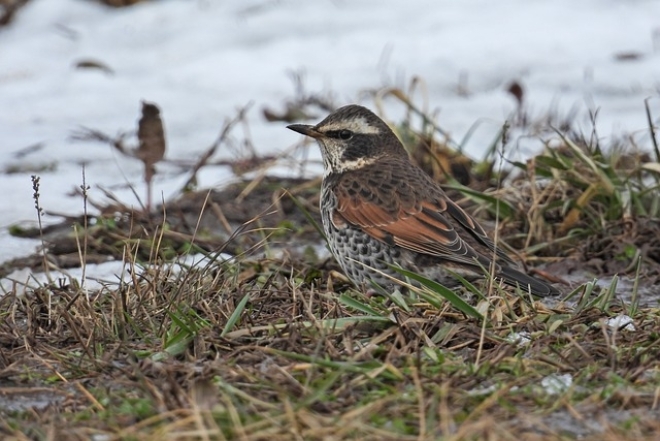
[(71, 66)]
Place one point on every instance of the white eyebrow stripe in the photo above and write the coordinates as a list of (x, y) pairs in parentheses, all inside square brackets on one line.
[(356, 163), (357, 125)]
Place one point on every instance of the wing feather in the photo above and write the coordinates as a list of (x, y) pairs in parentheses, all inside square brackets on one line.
[(414, 213), (419, 226)]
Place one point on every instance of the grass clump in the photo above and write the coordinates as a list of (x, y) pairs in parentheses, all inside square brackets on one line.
[(270, 343), (248, 349)]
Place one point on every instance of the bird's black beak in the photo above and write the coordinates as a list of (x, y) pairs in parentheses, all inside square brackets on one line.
[(305, 130)]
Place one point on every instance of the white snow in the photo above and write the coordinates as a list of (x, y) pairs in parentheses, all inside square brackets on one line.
[(96, 277), (200, 60), (520, 339), (555, 384), (622, 321)]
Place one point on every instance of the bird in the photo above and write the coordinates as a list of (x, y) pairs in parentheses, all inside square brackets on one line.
[(379, 210)]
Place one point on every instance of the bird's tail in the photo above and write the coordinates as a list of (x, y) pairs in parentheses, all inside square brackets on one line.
[(526, 283)]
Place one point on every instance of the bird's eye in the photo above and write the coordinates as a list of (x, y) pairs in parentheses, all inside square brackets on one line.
[(345, 134)]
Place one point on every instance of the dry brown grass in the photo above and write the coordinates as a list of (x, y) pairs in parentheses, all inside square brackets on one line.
[(178, 354), (275, 345)]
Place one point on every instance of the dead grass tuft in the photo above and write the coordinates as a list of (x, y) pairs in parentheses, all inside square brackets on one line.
[(273, 344)]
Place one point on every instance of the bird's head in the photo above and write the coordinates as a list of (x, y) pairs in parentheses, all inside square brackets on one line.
[(352, 137)]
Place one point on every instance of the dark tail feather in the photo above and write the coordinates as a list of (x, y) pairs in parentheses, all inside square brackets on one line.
[(527, 283)]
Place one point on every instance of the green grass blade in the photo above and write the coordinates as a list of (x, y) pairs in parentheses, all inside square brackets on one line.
[(233, 318), (360, 306), (444, 292)]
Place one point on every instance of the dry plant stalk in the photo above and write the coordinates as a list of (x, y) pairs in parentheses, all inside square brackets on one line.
[(151, 150)]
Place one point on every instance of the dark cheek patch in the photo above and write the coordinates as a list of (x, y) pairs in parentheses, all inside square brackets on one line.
[(359, 147), (352, 155)]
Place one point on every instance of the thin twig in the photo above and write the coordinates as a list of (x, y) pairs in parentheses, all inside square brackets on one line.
[(652, 129), (203, 160)]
